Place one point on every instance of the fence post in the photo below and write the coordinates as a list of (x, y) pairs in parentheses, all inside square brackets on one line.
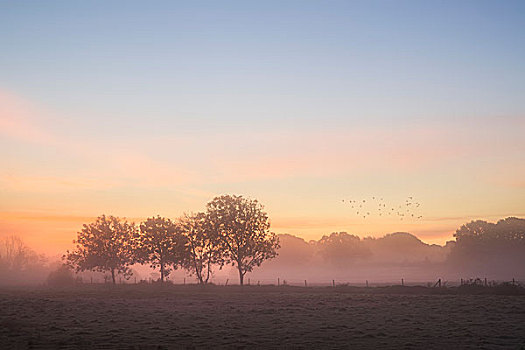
[(366, 283), (248, 281), (227, 279), (333, 283), (305, 283), (258, 283), (278, 281), (402, 282)]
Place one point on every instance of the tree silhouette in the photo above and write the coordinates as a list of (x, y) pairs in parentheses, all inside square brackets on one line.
[(242, 229), (15, 255), (511, 229), (204, 250), (104, 245), (478, 229), (341, 248), (483, 246), (18, 262), (161, 244)]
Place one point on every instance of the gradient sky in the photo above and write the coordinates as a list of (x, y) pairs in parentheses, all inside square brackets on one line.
[(150, 107)]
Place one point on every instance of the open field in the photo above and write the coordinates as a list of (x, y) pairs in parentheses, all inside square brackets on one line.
[(152, 317)]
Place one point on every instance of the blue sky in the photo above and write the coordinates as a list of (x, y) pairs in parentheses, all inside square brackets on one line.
[(314, 62)]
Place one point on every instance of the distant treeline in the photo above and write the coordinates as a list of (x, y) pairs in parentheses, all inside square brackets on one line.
[(481, 249), (497, 249), (19, 263), (235, 231)]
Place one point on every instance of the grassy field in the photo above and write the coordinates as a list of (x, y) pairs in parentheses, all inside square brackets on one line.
[(153, 317)]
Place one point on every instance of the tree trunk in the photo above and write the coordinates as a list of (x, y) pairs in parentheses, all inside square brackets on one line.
[(198, 270), (113, 275), (207, 273), (241, 276), (162, 272)]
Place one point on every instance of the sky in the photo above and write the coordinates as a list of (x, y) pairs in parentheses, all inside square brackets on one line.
[(136, 108)]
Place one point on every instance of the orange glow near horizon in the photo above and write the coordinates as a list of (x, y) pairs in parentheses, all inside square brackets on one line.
[(55, 176), (53, 234)]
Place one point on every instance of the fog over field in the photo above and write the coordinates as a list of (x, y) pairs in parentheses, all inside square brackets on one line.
[(482, 250)]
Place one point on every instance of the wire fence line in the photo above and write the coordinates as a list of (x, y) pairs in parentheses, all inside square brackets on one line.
[(306, 283)]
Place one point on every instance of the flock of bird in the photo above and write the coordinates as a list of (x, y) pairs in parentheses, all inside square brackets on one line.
[(407, 210)]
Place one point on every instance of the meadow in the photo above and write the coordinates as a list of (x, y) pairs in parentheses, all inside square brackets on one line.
[(186, 317)]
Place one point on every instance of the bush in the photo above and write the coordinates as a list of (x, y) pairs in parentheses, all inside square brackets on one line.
[(61, 277)]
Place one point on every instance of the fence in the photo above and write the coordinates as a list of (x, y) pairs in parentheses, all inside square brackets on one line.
[(282, 282)]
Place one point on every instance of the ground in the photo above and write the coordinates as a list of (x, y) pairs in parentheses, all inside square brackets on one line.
[(150, 317)]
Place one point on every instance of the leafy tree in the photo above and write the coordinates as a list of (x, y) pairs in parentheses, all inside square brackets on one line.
[(484, 247), (511, 229), (204, 250), (61, 277), (161, 244), (242, 230), (340, 248), (104, 245), (478, 229)]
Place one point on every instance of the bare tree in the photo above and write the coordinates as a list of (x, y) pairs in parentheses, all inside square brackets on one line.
[(161, 244), (15, 255), (104, 245), (204, 250), (242, 230)]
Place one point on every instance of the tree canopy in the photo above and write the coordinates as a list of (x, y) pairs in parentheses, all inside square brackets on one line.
[(105, 245), (242, 229), (204, 250), (340, 248), (161, 244), (483, 246)]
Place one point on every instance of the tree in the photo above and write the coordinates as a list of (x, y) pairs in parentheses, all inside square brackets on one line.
[(15, 255), (19, 263), (104, 245), (484, 247), (478, 229), (204, 250), (60, 277), (340, 248), (242, 230), (511, 229), (161, 244)]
